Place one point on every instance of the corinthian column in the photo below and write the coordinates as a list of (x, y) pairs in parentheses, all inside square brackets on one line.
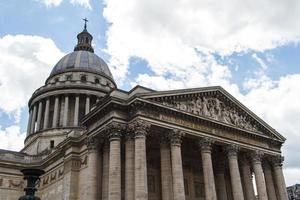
[(165, 169), (105, 171), (140, 129), (177, 172), (208, 173), (269, 181), (237, 190), (259, 175), (220, 180), (114, 180), (247, 179), (129, 166), (91, 182), (46, 116), (279, 178)]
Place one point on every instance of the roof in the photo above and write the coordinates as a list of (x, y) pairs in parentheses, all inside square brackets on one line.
[(82, 60)]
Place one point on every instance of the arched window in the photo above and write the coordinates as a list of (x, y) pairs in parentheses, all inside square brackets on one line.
[(83, 78), (69, 77), (97, 81)]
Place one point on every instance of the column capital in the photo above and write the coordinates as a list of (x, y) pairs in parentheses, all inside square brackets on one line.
[(139, 128), (175, 137), (256, 156), (114, 130), (232, 150), (277, 161), (206, 143), (92, 143)]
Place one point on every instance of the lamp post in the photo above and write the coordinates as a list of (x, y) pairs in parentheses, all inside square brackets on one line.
[(32, 176)]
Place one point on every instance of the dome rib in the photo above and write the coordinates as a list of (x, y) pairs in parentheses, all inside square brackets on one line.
[(84, 60)]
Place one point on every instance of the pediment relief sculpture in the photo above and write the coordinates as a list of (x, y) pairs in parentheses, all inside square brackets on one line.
[(214, 108)]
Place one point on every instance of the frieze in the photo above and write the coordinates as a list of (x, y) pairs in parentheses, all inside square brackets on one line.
[(214, 108), (16, 184), (214, 131)]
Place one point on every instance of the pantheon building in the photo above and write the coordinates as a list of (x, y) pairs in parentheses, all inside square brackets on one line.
[(98, 142)]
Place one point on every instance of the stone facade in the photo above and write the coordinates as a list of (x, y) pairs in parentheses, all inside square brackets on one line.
[(97, 142)]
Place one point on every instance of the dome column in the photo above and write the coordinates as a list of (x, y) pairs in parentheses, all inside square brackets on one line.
[(87, 104), (29, 121), (76, 110), (55, 113), (32, 128), (39, 116), (46, 116), (66, 111)]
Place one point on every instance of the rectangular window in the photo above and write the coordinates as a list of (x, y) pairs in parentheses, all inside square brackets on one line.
[(199, 190), (51, 144), (186, 187), (151, 183)]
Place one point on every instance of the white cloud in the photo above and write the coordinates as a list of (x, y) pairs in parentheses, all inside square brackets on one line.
[(50, 3), (11, 138), (83, 3), (292, 176), (25, 63), (169, 33)]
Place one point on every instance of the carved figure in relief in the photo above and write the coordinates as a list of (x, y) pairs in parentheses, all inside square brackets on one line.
[(213, 108)]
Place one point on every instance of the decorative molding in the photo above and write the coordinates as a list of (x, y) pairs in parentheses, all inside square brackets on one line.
[(140, 128), (232, 150), (256, 156), (92, 143), (16, 184), (175, 137), (206, 144), (114, 130), (277, 161)]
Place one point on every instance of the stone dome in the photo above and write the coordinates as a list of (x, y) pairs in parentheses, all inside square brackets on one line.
[(82, 61)]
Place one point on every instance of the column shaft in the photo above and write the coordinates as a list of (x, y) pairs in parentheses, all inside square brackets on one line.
[(259, 177), (32, 126), (66, 111), (279, 178), (29, 121), (46, 116), (166, 171), (105, 172), (247, 180), (177, 171), (39, 116), (55, 112), (269, 182), (76, 111), (129, 168), (90, 180), (221, 186), (87, 104), (114, 182), (208, 173), (236, 183)]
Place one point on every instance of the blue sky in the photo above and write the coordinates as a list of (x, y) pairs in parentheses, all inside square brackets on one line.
[(251, 49)]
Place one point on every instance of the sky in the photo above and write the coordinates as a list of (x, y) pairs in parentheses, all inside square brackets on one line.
[(250, 48)]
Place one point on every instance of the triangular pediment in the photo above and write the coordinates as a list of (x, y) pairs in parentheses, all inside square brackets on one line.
[(214, 104)]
